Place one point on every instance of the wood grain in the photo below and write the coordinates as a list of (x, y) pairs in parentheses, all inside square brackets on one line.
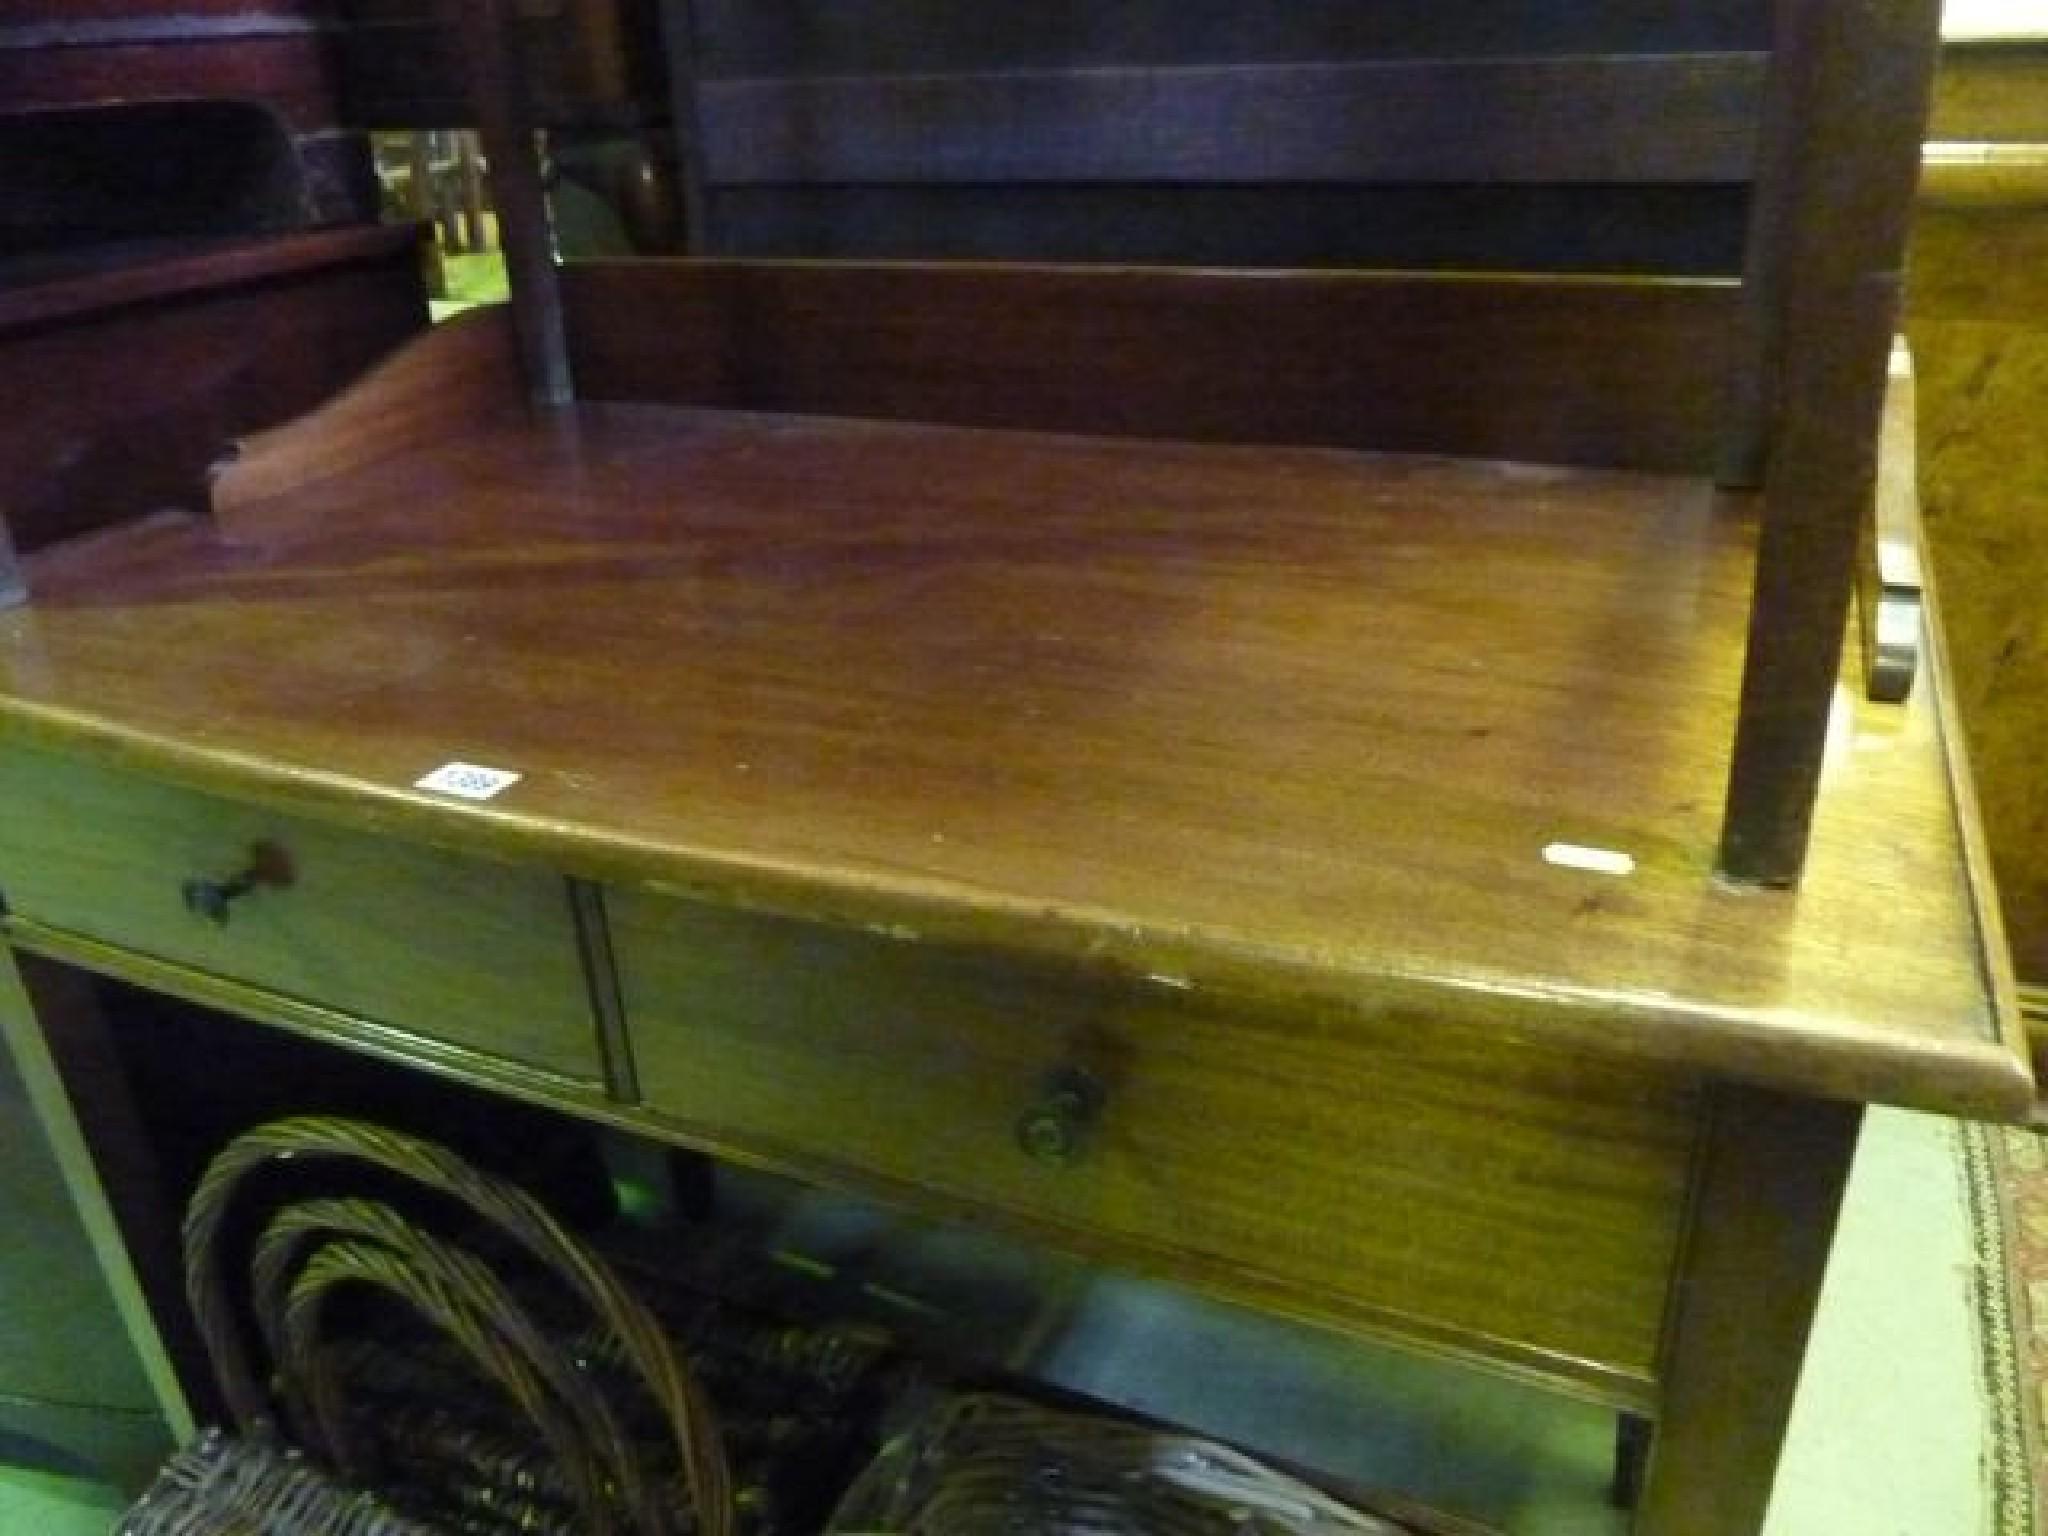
[(478, 955), (1977, 314), (1515, 1203), (1616, 372), (163, 362), (1769, 1187), (460, 377), (1293, 726), (1603, 118)]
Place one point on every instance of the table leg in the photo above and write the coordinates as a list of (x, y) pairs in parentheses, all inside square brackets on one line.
[(52, 1023), (1765, 1196)]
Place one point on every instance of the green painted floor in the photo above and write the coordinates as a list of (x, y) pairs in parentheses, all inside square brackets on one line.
[(1889, 1435), (46, 1504)]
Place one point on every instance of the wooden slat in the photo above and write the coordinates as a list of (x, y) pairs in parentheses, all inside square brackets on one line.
[(286, 72), (1862, 75), (1581, 371), (1598, 118), (189, 23), (73, 17), (206, 267), (1580, 227), (853, 37)]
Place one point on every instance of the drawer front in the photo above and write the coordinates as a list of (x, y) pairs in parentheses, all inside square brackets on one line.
[(466, 953), (1400, 1172)]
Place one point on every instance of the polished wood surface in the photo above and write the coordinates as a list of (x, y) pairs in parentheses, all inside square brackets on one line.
[(1423, 1178), (1617, 372), (467, 380), (1295, 726), (475, 954)]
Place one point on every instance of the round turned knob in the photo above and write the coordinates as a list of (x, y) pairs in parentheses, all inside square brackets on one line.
[(1057, 1128), (214, 900)]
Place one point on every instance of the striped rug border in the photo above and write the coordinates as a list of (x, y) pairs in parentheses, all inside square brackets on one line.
[(2009, 1454)]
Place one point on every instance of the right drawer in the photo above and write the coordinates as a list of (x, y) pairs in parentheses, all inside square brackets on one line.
[(1404, 1172)]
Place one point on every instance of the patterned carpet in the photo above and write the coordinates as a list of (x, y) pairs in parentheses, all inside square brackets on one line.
[(2006, 1183)]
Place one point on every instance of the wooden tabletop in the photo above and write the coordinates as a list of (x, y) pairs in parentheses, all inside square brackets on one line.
[(1299, 724)]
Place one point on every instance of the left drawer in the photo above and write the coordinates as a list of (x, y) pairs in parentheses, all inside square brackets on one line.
[(459, 951)]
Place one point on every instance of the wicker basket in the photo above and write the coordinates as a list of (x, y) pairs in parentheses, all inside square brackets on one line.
[(988, 1465), (222, 1486), (596, 1478)]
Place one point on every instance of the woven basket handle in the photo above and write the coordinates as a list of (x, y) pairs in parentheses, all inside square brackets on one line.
[(462, 1297), (514, 1214)]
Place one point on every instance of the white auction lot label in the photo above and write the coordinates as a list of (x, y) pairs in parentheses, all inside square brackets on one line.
[(468, 781)]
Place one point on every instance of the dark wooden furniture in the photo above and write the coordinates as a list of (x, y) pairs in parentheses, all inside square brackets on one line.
[(124, 374), (1313, 133), (158, 117), (186, 251), (925, 689)]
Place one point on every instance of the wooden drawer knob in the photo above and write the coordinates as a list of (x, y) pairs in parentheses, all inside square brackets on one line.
[(213, 900), (1057, 1129)]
